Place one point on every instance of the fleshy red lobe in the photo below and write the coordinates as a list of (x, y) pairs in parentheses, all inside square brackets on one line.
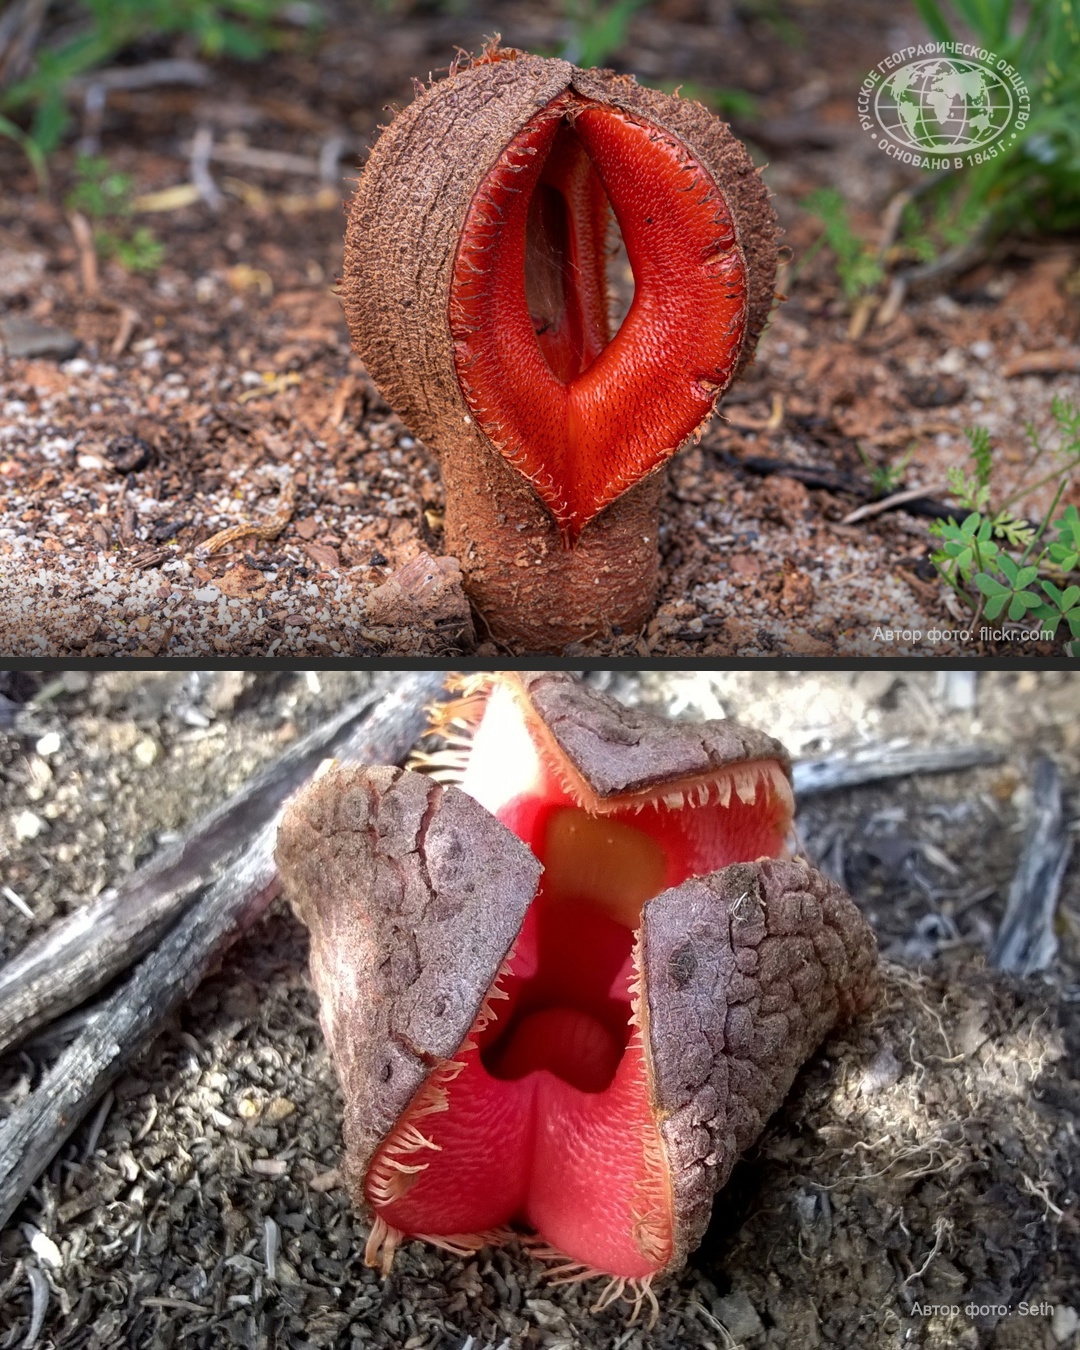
[(581, 417), (549, 1119)]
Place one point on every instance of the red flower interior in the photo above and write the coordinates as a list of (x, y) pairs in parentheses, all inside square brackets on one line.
[(582, 415), (545, 1116)]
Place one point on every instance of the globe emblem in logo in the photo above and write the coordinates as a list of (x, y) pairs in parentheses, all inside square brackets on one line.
[(943, 105)]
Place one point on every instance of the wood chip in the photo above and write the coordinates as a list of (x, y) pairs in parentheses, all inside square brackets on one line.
[(424, 593), (324, 557), (84, 242), (342, 394)]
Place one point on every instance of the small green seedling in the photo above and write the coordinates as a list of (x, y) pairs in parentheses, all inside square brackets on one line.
[(857, 265), (992, 559), (105, 195)]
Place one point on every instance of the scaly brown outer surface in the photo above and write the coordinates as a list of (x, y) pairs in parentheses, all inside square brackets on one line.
[(745, 972), (413, 895), (400, 246), (617, 749)]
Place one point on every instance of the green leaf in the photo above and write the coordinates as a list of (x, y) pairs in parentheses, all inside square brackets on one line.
[(1063, 558), (932, 16), (979, 440), (1021, 602), (1068, 528), (29, 147), (857, 264), (1048, 618), (990, 586)]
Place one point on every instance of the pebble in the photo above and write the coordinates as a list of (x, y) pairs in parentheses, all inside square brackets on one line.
[(279, 1108), (43, 1247), (20, 271), (146, 751), (270, 1167), (28, 825), (1065, 1324), (24, 337), (48, 744), (739, 1316)]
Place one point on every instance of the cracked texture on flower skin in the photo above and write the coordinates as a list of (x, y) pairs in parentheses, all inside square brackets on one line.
[(746, 972), (413, 895), (617, 749)]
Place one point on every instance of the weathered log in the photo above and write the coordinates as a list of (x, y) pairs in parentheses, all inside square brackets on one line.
[(873, 763), (79, 955), (1026, 942), (129, 1020)]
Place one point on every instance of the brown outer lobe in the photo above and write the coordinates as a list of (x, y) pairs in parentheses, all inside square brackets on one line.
[(413, 895), (618, 749), (394, 289), (745, 972), (530, 590)]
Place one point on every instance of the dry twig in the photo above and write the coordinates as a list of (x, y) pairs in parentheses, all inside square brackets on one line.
[(890, 503), (269, 528), (75, 958), (1051, 362), (128, 1021)]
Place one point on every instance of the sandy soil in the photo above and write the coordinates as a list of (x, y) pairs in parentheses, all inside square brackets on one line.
[(927, 1155), (221, 389)]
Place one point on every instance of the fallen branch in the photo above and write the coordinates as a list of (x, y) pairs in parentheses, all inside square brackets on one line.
[(952, 263), (873, 763), (201, 148), (129, 1020), (149, 75), (818, 476), (277, 161), (77, 957), (1026, 942)]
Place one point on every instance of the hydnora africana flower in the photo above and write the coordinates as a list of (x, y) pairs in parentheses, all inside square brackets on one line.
[(563, 996), (475, 287)]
